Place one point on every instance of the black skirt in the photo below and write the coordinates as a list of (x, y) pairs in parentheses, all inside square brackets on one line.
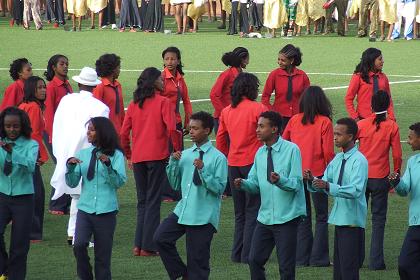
[(153, 19)]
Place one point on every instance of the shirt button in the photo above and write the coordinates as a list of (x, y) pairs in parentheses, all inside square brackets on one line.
[(94, 198), (189, 185)]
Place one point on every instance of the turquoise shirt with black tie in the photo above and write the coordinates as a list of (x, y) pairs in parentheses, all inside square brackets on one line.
[(199, 205), (349, 208), (410, 184), (23, 158), (99, 195), (285, 200)]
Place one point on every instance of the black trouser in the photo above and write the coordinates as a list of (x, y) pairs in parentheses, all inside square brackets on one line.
[(63, 202), (18, 11), (102, 227), (283, 236), (313, 249), (244, 24), (348, 247), (409, 259), (233, 18), (20, 210), (55, 11), (341, 6), (246, 208), (149, 177), (109, 13), (198, 241), (377, 189), (39, 201)]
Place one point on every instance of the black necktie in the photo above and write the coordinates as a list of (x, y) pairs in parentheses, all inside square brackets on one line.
[(270, 165), (178, 97), (196, 177), (375, 84), (7, 169), (92, 165), (117, 99), (340, 176), (289, 89)]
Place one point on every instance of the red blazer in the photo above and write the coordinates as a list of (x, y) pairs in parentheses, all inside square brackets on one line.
[(220, 92), (56, 89), (13, 95), (170, 91), (37, 124), (375, 145), (363, 91), (315, 142), (236, 137), (105, 92), (151, 127), (277, 81)]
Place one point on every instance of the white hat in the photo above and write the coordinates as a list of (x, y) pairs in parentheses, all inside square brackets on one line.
[(87, 77)]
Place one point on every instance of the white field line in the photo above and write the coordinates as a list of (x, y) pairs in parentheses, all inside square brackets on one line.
[(256, 72)]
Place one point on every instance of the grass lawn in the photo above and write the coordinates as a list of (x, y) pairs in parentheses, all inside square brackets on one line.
[(328, 60)]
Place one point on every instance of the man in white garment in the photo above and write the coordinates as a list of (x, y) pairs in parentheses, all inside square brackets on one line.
[(69, 134)]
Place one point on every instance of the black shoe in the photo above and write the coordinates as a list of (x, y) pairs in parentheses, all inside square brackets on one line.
[(372, 39), (222, 26)]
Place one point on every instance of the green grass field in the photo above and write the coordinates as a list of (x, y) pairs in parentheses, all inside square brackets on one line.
[(329, 60)]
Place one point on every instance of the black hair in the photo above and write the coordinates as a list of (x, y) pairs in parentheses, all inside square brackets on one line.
[(351, 126), (16, 67), (25, 123), (245, 84), (380, 102), (52, 62), (106, 64), (146, 85), (367, 63), (314, 102), (235, 57), (292, 52), (206, 119), (274, 118), (107, 140), (176, 51), (416, 128), (30, 89)]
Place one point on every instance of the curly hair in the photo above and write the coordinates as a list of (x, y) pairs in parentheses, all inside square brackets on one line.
[(52, 62), (16, 67), (245, 84), (235, 57), (106, 64), (292, 52), (25, 123)]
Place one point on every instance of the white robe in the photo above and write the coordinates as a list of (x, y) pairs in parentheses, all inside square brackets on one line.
[(69, 133)]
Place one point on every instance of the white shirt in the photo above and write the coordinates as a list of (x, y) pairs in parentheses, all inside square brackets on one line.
[(69, 133)]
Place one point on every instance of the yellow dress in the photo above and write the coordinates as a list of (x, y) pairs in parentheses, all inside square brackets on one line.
[(418, 11), (77, 7), (97, 5), (227, 6), (164, 2), (309, 9), (354, 9), (196, 9), (388, 11), (275, 15)]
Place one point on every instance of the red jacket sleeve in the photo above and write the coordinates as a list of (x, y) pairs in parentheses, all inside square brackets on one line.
[(187, 103), (122, 111), (10, 97), (352, 91), (222, 135), (327, 138), (286, 132), (391, 105), (35, 115), (216, 94), (98, 92), (268, 90), (306, 81), (169, 118), (396, 148), (125, 133), (50, 107)]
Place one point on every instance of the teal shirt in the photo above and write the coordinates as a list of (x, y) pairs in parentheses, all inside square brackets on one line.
[(349, 208), (99, 195), (200, 205), (410, 184), (285, 200), (23, 157)]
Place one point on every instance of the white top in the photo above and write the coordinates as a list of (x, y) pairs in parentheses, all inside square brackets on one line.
[(69, 133)]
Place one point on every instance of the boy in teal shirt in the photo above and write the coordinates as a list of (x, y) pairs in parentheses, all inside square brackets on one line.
[(408, 261), (277, 176), (345, 179), (200, 172)]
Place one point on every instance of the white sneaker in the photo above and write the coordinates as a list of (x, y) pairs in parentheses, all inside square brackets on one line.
[(104, 26), (114, 26)]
